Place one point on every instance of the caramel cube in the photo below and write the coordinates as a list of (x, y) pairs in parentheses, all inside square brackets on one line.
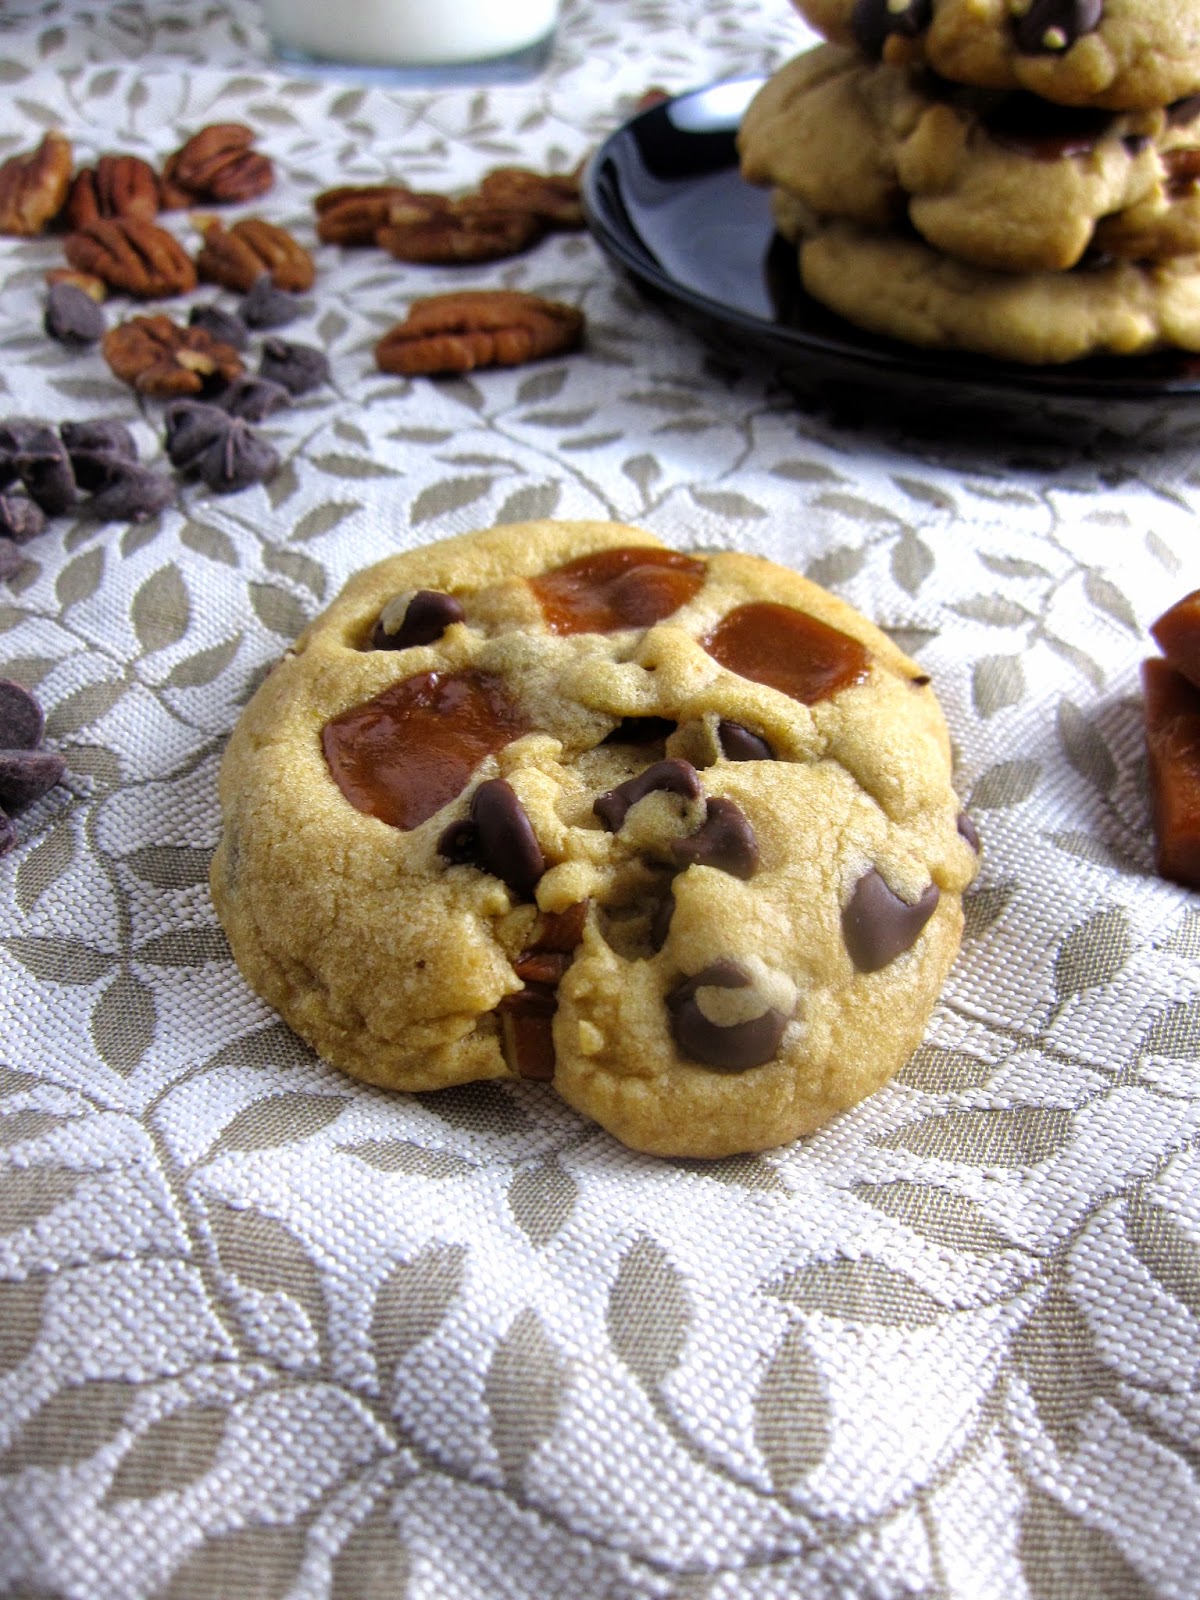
[(1172, 707)]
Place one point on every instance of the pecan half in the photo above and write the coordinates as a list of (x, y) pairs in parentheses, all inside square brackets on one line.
[(458, 231), (353, 215), (134, 255), (478, 328), (34, 186), (217, 164), (117, 186), (237, 257), (157, 357), (551, 197)]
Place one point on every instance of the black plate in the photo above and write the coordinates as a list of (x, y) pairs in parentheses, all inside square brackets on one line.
[(664, 199)]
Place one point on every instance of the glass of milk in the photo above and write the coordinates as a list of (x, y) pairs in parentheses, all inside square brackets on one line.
[(416, 41)]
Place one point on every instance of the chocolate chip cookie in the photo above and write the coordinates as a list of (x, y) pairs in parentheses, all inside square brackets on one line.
[(673, 832), (1005, 181), (1118, 54)]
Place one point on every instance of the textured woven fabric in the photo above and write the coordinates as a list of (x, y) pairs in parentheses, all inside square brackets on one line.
[(267, 1333)]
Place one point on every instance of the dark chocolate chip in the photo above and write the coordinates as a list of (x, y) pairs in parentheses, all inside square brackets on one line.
[(641, 730), (527, 1031), (724, 840), (44, 467), (11, 559), (968, 830), (1051, 26), (93, 447), (26, 775), (20, 519), (8, 835), (73, 317), (497, 837), (732, 1049), (133, 493), (267, 306), (207, 443), (1044, 131), (878, 926), (739, 744), (252, 399), (220, 325), (673, 775), (660, 921), (426, 617), (21, 719), (298, 367), (874, 21)]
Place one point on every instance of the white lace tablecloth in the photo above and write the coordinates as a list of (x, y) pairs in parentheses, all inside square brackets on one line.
[(267, 1333)]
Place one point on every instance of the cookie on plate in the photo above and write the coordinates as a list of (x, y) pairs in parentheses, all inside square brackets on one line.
[(1119, 54), (900, 287), (1005, 181), (675, 832)]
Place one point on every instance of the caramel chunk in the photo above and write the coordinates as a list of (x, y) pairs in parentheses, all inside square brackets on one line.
[(408, 752), (629, 587), (1172, 709), (1177, 634), (787, 650)]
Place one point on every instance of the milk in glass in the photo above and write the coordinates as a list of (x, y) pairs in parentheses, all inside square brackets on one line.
[(416, 33)]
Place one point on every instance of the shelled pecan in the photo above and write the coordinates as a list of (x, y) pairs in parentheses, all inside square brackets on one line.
[(117, 186), (353, 215), (34, 186), (157, 357), (237, 257), (462, 232), (551, 197), (134, 255), (218, 165), (478, 328)]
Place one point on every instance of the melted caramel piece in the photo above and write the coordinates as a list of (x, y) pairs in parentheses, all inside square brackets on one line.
[(787, 650), (412, 749), (629, 587)]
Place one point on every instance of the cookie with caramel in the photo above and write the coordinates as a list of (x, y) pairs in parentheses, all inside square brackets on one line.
[(672, 832)]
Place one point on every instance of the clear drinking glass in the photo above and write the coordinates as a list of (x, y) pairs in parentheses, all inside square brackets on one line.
[(415, 41)]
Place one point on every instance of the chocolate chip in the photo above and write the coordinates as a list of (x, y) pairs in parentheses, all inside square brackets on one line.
[(26, 775), (641, 730), (133, 493), (673, 776), (735, 1048), (660, 921), (21, 719), (93, 447), (1045, 131), (73, 317), (205, 442), (298, 367), (421, 620), (968, 830), (724, 840), (267, 306), (20, 519), (44, 467), (11, 559), (527, 1031), (8, 835), (497, 837), (1051, 26), (878, 926), (874, 21), (220, 325), (739, 744), (252, 399)]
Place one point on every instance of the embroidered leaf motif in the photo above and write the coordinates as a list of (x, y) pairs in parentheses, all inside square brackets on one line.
[(399, 1155), (791, 1413), (20, 1126), (1006, 784), (34, 1192), (477, 1108), (44, 865), (997, 682), (1085, 748), (80, 578), (323, 519), (21, 1305), (278, 1120), (193, 672), (261, 1563), (860, 1291), (170, 1454), (167, 866), (71, 1426), (541, 1198), (264, 1255), (1055, 1355), (83, 706), (1062, 1556), (299, 568), (123, 1022), (452, 494), (938, 1071), (836, 566), (277, 609), (531, 503), (1093, 954), (1165, 1249), (160, 610), (649, 1312), (912, 561), (523, 1390), (372, 1564), (184, 947), (60, 960), (412, 1302), (982, 907), (1023, 1137)]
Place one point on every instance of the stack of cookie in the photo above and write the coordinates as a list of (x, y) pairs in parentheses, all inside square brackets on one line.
[(1017, 178)]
